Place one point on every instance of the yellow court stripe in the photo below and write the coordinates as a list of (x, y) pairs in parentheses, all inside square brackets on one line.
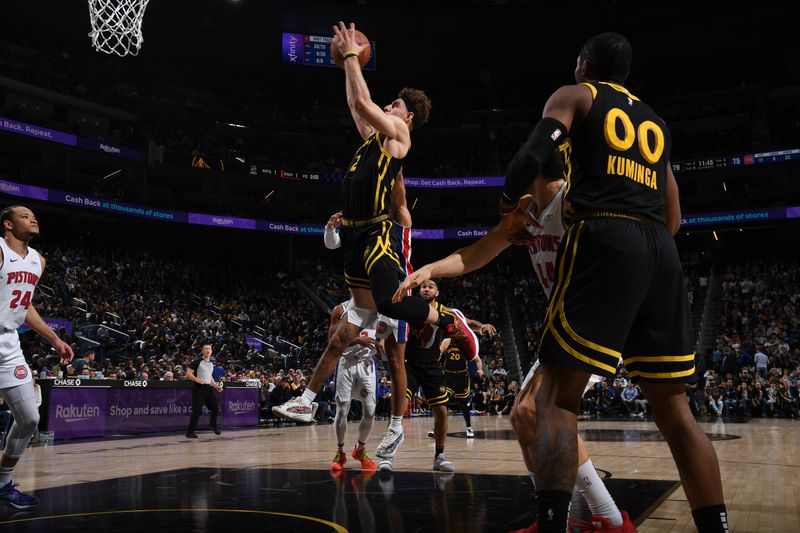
[(663, 375), (332, 525), (660, 359), (580, 356)]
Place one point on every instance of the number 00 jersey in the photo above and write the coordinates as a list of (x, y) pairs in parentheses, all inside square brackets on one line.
[(368, 182), (19, 278), (624, 168), (544, 251)]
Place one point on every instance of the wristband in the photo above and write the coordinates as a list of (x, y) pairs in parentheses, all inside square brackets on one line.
[(350, 54)]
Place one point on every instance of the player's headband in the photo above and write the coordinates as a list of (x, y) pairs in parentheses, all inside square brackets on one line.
[(410, 106)]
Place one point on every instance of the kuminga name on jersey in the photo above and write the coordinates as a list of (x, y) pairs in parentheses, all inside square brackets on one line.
[(625, 169)]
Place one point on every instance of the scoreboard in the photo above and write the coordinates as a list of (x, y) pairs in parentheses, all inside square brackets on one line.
[(737, 160), (314, 51)]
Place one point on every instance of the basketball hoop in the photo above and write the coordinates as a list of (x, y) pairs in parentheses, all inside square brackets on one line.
[(117, 25)]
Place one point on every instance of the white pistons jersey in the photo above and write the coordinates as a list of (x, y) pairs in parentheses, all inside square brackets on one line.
[(19, 278), (545, 249), (356, 374)]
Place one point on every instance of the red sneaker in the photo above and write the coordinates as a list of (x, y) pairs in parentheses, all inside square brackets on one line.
[(600, 523), (366, 462), (338, 461), (533, 528)]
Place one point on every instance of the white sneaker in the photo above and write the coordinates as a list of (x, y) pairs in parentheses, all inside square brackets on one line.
[(386, 465), (294, 409), (441, 464), (392, 439), (470, 433), (431, 433)]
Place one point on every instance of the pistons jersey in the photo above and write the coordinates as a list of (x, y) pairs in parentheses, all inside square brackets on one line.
[(358, 352), (19, 278), (545, 249)]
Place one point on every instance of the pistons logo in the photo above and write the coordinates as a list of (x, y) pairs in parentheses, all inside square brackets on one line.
[(21, 372), (381, 328), (363, 393)]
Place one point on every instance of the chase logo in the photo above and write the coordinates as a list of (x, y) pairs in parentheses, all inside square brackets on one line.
[(68, 382), (134, 383)]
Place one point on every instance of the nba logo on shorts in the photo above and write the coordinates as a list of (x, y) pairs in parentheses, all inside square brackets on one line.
[(381, 328), (21, 372)]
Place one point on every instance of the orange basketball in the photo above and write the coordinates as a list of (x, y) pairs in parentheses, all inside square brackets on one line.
[(363, 57)]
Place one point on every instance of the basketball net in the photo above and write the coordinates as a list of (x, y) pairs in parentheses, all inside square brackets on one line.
[(117, 25)]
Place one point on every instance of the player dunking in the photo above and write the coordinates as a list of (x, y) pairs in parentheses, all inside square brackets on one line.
[(619, 289), (543, 237), (372, 243), (22, 267)]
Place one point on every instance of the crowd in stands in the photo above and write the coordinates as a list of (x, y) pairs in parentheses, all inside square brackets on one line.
[(753, 369)]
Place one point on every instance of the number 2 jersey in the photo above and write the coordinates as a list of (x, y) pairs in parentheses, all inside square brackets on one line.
[(19, 278), (624, 169), (545, 249)]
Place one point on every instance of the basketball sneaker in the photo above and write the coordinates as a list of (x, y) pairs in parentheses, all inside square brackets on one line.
[(385, 466), (458, 331), (600, 523), (338, 461), (391, 441), (361, 455), (470, 433), (294, 410), (11, 496), (441, 464), (533, 528)]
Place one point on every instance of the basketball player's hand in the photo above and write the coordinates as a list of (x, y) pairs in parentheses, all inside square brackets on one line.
[(366, 342), (345, 38), (480, 373), (64, 351), (489, 330), (515, 224), (414, 280), (335, 221)]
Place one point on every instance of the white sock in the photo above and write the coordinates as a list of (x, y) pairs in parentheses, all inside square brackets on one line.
[(308, 397), (397, 423), (533, 479), (5, 474), (594, 491)]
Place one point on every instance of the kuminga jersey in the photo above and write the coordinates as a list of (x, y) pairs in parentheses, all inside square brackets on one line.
[(19, 278), (545, 249), (368, 182), (619, 156)]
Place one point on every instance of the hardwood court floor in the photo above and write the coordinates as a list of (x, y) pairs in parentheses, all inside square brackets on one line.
[(269, 478)]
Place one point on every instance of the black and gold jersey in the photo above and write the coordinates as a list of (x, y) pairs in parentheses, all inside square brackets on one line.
[(369, 179), (424, 340), (618, 157), (453, 360)]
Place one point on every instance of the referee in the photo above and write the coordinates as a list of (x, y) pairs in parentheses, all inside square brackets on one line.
[(201, 372)]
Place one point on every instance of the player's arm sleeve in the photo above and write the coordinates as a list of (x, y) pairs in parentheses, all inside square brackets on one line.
[(548, 134), (332, 239)]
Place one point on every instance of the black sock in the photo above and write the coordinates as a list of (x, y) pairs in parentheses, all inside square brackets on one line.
[(439, 451), (465, 412), (713, 519), (552, 508)]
